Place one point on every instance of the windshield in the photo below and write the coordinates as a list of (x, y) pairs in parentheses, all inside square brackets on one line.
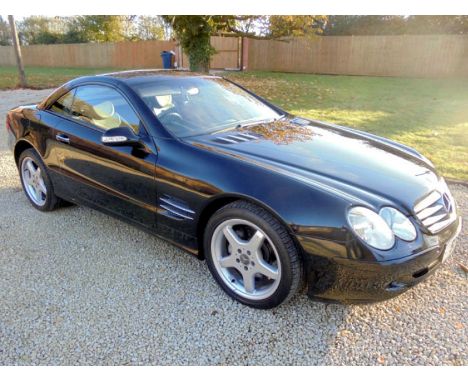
[(200, 105)]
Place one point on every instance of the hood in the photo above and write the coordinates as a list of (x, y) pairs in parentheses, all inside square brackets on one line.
[(358, 164)]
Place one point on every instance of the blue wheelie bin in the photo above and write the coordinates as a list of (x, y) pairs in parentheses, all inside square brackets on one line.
[(167, 59)]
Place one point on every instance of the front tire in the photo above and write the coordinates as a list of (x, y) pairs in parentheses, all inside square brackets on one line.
[(252, 256), (36, 181)]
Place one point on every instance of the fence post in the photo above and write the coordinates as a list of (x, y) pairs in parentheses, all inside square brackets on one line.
[(16, 45), (180, 54), (244, 53)]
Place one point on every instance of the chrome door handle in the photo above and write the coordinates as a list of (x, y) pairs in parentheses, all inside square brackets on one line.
[(62, 138)]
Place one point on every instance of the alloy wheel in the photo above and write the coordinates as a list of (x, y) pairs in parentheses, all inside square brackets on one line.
[(33, 181), (246, 259)]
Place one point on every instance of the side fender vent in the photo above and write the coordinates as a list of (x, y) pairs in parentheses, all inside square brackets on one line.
[(175, 208)]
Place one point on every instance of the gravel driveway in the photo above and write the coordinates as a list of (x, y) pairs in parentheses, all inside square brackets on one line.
[(78, 287)]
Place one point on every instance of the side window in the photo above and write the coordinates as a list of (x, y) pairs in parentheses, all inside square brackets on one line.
[(63, 104), (103, 107)]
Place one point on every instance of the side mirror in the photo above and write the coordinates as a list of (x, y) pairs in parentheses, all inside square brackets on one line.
[(120, 136)]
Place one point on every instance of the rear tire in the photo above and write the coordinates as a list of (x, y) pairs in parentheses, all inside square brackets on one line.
[(36, 181), (252, 256)]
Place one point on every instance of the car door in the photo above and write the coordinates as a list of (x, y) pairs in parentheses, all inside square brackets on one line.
[(118, 179)]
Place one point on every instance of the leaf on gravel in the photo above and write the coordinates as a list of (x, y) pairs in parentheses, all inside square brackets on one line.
[(442, 311), (459, 325), (346, 333), (463, 268), (381, 359)]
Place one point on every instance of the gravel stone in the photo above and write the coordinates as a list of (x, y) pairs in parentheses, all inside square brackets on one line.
[(80, 288)]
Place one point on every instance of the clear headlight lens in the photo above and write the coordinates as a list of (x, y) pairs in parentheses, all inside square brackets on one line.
[(371, 228), (398, 223)]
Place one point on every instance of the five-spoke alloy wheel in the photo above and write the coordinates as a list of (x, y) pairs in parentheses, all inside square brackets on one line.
[(33, 181), (36, 182), (246, 258), (252, 256)]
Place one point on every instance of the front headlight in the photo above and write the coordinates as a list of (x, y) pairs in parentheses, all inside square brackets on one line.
[(398, 223), (371, 228)]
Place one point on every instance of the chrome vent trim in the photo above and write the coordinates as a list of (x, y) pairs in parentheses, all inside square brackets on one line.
[(225, 140), (236, 138), (176, 208), (427, 201), (429, 211), (433, 219), (249, 136), (441, 225), (436, 211)]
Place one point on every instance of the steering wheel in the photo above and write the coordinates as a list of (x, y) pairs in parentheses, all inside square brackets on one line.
[(176, 122), (171, 117)]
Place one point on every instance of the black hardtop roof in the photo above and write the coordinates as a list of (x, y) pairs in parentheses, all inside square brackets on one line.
[(128, 75)]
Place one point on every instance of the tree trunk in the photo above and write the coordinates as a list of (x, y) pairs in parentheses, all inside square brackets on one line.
[(200, 67), (16, 45)]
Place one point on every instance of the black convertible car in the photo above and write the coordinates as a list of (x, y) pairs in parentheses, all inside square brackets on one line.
[(273, 202)]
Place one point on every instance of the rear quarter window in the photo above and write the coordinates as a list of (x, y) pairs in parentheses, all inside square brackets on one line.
[(63, 105)]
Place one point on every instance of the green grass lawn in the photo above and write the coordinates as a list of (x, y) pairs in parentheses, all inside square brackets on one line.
[(429, 115), (43, 78)]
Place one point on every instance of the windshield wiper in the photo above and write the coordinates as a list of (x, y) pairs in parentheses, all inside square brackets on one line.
[(247, 124), (267, 120), (224, 130)]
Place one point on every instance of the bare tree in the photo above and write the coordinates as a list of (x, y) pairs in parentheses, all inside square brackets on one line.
[(16, 45)]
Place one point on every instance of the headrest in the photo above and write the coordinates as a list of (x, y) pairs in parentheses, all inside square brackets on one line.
[(163, 101), (104, 110)]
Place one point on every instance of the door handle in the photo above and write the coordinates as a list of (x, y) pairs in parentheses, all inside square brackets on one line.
[(62, 138)]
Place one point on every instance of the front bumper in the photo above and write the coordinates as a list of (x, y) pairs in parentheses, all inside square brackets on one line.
[(354, 281)]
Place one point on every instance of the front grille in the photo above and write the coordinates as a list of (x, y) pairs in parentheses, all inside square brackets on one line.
[(436, 210)]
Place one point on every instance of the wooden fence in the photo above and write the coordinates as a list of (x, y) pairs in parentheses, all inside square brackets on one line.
[(401, 56), (139, 54)]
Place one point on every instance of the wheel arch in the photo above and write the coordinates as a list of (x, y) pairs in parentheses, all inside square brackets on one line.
[(21, 146), (219, 202)]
